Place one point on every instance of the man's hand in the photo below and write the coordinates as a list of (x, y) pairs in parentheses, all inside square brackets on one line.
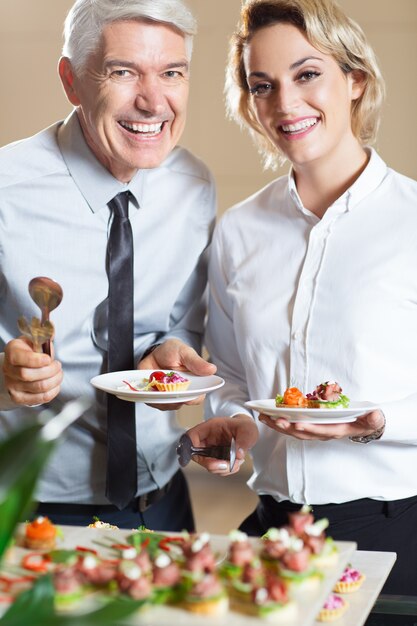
[(173, 354), (363, 426), (219, 431), (30, 377)]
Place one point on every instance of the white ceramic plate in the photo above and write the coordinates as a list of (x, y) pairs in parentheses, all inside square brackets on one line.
[(113, 383), (313, 416)]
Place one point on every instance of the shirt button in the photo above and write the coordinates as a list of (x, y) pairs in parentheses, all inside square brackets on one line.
[(296, 335)]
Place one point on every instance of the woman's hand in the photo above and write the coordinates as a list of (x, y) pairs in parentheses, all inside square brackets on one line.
[(220, 431), (365, 425)]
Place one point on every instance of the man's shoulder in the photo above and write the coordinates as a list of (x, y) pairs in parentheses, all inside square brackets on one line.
[(31, 158), (184, 162)]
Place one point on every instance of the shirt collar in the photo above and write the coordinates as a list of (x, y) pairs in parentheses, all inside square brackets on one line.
[(366, 183), (95, 182)]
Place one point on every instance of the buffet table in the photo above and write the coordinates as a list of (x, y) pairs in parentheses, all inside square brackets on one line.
[(375, 565)]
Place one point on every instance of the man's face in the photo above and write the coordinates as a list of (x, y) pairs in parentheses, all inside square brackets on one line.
[(132, 96)]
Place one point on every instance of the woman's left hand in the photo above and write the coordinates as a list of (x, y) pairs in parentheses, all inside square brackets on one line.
[(363, 426)]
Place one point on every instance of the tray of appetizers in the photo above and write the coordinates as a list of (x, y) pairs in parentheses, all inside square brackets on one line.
[(284, 577)]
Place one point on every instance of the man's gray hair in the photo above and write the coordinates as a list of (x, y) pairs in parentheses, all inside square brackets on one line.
[(87, 18)]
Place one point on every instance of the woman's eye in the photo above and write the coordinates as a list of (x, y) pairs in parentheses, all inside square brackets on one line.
[(308, 75), (263, 89)]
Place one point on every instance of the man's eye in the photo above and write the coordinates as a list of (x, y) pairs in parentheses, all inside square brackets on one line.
[(172, 74), (263, 89), (121, 73)]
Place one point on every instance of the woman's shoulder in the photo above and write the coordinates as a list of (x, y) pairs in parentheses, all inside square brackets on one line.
[(402, 182)]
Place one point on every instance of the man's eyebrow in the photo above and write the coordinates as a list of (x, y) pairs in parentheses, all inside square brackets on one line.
[(184, 64), (123, 63)]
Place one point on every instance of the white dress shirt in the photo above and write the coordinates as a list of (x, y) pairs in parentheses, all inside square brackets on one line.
[(296, 301), (54, 221)]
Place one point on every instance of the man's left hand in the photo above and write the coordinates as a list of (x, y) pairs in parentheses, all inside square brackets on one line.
[(173, 354)]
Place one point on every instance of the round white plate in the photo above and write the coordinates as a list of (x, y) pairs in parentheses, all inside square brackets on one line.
[(113, 383), (313, 416)]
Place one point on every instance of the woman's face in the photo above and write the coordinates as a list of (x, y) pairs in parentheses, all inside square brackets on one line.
[(300, 96)]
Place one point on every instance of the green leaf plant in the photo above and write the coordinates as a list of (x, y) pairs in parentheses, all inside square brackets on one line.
[(23, 455)]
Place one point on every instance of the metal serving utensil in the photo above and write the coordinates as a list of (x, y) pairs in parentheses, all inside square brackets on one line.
[(47, 294), (186, 450)]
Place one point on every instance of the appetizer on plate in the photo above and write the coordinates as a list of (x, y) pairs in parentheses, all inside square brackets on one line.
[(299, 551), (40, 534), (323, 549), (350, 580), (240, 552), (327, 395), (159, 381), (103, 525), (172, 381), (263, 593), (333, 608), (203, 590)]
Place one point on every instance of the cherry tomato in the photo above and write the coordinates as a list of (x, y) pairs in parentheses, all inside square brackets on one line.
[(158, 375)]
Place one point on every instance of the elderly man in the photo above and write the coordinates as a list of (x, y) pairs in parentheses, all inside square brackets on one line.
[(110, 207)]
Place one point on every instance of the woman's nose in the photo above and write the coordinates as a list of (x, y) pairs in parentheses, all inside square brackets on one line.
[(287, 98)]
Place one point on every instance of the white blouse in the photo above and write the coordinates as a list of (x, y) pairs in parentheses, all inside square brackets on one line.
[(296, 301)]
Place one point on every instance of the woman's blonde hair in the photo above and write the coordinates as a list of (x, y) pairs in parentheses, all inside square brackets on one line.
[(329, 30)]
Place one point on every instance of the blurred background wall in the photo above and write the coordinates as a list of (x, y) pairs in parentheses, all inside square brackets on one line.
[(31, 98)]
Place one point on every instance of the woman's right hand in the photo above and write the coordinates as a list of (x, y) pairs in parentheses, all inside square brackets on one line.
[(220, 431), (31, 378)]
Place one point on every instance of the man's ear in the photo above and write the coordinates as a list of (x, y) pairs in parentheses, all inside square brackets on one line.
[(358, 82), (67, 76)]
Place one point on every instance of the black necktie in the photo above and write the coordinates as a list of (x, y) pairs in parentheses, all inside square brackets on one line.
[(121, 433)]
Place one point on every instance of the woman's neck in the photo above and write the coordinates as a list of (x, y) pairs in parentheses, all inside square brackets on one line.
[(319, 184)]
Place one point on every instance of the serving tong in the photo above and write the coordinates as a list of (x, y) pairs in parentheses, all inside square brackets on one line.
[(186, 450)]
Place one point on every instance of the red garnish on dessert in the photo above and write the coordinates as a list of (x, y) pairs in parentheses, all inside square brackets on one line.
[(158, 375)]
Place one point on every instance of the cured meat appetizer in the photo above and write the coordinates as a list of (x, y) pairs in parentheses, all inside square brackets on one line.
[(260, 592), (240, 553), (327, 395)]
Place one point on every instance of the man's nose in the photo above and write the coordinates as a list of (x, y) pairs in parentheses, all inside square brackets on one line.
[(150, 97)]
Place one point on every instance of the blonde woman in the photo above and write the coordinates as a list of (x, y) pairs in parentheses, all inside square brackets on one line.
[(313, 279)]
